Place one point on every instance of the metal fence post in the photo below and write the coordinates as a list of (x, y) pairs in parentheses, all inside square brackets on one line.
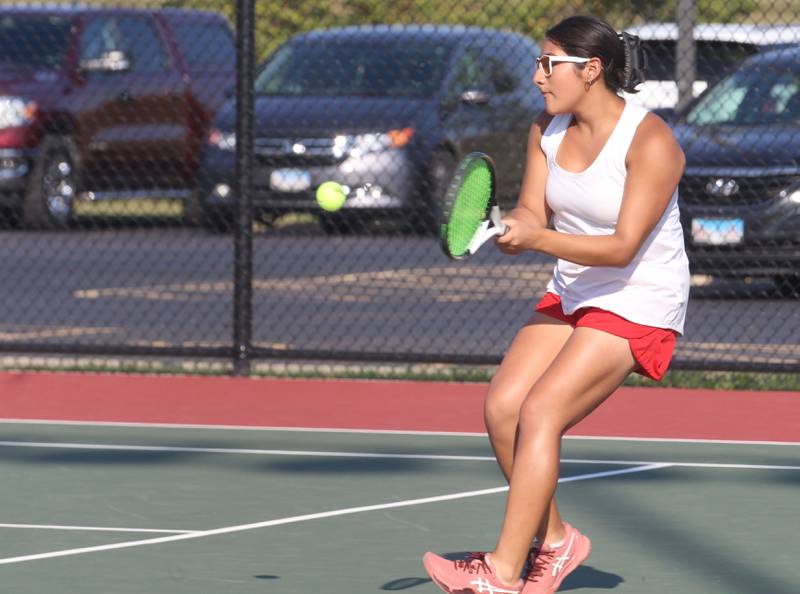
[(685, 52), (243, 222)]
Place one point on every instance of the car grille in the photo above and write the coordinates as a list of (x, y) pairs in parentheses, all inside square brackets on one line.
[(295, 151), (732, 189)]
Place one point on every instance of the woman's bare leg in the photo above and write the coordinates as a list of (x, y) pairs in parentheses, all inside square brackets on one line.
[(589, 367), (533, 350)]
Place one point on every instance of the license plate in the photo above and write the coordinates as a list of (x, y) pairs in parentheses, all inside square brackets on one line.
[(717, 231), (290, 180)]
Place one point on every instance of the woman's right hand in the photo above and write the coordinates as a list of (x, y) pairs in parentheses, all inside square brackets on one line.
[(521, 234)]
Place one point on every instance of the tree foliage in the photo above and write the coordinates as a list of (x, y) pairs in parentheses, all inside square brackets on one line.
[(277, 20)]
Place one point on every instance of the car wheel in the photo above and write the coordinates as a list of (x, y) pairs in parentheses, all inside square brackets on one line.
[(193, 214), (338, 224), (788, 285), (50, 200), (442, 166), (218, 220)]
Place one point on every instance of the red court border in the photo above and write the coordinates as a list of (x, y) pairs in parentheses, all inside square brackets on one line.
[(381, 405)]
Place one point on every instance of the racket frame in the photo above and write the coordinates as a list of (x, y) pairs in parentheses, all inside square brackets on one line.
[(491, 225)]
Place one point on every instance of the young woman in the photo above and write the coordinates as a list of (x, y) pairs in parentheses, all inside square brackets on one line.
[(600, 195)]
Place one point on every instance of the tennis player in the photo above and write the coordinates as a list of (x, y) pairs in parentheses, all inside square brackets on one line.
[(600, 195)]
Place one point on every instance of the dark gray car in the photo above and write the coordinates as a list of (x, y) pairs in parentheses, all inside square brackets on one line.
[(740, 195), (387, 111)]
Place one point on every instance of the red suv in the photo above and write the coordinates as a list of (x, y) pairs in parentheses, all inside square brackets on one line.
[(105, 104)]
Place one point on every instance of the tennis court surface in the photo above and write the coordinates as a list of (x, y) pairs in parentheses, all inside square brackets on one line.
[(131, 484)]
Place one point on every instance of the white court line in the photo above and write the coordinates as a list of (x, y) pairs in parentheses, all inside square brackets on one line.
[(687, 464), (239, 427), (679, 440), (308, 517), (247, 451), (379, 431), (93, 528), (363, 455)]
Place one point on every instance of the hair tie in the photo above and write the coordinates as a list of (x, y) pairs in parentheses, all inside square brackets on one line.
[(635, 60)]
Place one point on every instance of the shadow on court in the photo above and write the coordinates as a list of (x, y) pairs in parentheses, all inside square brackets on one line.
[(698, 546), (261, 511)]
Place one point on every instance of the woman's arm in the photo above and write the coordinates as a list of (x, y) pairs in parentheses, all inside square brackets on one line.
[(655, 164)]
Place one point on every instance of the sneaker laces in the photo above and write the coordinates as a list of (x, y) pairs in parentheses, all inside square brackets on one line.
[(474, 563), (539, 561)]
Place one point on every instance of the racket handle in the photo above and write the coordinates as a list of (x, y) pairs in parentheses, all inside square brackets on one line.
[(500, 227)]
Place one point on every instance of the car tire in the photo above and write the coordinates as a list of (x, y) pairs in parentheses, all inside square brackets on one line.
[(787, 285), (443, 164), (339, 224), (217, 220), (193, 214), (50, 200)]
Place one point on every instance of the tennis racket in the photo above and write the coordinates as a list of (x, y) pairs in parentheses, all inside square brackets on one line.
[(470, 213)]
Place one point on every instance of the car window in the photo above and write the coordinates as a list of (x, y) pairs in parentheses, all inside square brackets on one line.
[(470, 72), (204, 42), (510, 62), (100, 36), (143, 45), (713, 58), (751, 96), (521, 56), (33, 42), (501, 77), (338, 68)]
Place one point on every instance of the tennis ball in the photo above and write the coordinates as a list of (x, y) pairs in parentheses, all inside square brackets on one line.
[(330, 196)]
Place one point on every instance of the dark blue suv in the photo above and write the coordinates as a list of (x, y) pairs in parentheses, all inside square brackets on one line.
[(740, 195), (387, 111)]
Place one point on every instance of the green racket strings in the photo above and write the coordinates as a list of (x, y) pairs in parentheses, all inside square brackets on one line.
[(469, 208)]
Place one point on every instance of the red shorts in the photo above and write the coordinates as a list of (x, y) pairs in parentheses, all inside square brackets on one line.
[(651, 347)]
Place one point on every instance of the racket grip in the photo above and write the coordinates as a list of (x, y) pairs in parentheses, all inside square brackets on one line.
[(500, 227)]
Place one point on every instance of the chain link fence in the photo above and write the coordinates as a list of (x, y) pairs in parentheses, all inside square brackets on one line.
[(155, 203)]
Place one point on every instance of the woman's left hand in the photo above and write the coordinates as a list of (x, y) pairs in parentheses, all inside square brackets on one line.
[(521, 235)]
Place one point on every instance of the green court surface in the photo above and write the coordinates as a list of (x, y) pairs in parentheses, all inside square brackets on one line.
[(127, 509)]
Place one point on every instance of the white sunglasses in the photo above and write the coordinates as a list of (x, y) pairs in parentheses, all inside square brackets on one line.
[(546, 62)]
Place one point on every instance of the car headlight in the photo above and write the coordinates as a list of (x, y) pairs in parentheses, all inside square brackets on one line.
[(361, 144), (16, 111), (225, 141), (792, 193)]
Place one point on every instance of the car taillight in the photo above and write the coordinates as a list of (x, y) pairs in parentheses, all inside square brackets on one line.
[(400, 138), (225, 141)]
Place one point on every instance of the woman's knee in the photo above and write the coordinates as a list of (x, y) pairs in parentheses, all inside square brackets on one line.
[(539, 415), (501, 409)]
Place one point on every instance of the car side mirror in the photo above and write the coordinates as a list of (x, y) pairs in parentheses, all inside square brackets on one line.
[(475, 97), (113, 61)]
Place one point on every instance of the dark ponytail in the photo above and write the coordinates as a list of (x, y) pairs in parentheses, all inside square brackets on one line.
[(622, 56)]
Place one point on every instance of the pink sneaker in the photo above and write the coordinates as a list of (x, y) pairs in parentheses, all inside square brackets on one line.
[(549, 566), (473, 575)]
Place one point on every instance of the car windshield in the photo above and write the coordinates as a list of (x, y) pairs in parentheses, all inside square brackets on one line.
[(713, 58), (752, 95), (29, 42), (349, 68)]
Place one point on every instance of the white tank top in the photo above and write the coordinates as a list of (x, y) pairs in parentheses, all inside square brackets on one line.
[(654, 288)]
